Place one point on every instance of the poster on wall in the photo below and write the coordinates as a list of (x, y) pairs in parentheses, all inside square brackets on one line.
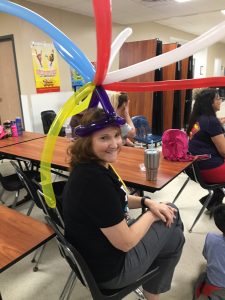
[(76, 79), (45, 65)]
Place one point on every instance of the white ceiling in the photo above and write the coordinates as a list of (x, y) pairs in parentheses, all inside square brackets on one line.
[(195, 16)]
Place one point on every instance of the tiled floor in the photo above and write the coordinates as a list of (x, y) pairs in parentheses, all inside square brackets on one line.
[(20, 282)]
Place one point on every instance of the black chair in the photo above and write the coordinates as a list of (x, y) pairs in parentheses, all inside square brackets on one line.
[(12, 183), (56, 215), (143, 131), (32, 188), (194, 174), (82, 271), (47, 118)]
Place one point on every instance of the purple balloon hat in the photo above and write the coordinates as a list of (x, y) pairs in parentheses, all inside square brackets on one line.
[(110, 119)]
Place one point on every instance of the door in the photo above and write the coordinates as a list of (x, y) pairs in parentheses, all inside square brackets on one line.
[(10, 101)]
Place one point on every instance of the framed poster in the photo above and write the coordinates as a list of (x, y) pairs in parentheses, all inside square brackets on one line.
[(45, 65)]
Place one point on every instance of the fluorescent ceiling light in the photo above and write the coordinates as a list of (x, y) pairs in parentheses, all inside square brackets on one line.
[(182, 1), (223, 11)]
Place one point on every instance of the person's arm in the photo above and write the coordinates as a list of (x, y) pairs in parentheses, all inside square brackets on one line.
[(204, 248), (222, 120), (125, 238), (124, 113), (163, 211), (132, 131), (219, 142)]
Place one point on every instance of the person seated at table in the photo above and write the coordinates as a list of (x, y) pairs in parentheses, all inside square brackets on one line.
[(206, 136), (120, 103), (214, 249), (96, 210)]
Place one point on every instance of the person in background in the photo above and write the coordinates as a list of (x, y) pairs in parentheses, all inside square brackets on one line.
[(96, 214), (206, 136), (120, 103), (214, 251)]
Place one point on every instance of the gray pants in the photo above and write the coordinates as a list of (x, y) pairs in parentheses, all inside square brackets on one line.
[(161, 246)]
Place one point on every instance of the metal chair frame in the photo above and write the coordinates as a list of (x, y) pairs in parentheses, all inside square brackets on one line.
[(80, 268), (194, 174)]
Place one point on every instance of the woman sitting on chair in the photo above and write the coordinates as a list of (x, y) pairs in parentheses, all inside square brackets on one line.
[(95, 209), (206, 135), (120, 103)]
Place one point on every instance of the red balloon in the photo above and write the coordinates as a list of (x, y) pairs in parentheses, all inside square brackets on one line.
[(167, 85), (103, 20)]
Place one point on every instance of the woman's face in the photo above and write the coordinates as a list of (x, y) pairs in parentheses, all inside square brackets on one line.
[(106, 144), (216, 103)]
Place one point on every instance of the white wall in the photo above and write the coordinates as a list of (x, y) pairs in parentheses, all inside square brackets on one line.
[(36, 103), (200, 63)]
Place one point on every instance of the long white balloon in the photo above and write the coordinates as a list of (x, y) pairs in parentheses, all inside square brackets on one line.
[(117, 44), (203, 41)]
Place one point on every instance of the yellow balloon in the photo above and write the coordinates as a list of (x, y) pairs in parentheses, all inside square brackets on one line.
[(77, 103)]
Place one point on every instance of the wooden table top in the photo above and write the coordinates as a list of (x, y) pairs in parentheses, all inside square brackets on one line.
[(32, 150), (19, 236), (27, 136), (127, 166)]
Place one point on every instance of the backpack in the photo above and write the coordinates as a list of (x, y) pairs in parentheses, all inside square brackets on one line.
[(2, 132), (175, 145)]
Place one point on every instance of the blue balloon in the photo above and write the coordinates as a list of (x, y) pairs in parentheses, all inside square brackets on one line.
[(75, 58), (71, 60)]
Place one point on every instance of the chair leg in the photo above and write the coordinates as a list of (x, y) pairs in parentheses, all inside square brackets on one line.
[(67, 290), (16, 199), (74, 280), (30, 208), (180, 191), (139, 293), (202, 209), (1, 194), (40, 251)]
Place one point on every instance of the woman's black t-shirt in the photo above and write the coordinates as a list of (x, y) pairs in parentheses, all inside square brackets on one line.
[(94, 198)]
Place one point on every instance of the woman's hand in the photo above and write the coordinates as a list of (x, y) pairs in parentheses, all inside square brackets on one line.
[(162, 211), (123, 111), (222, 120)]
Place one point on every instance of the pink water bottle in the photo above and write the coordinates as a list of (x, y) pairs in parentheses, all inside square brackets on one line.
[(14, 129)]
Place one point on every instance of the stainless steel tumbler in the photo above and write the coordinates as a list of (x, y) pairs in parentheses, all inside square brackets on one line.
[(151, 161)]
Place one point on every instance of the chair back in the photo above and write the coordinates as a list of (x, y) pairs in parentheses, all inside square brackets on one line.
[(53, 213), (81, 269), (30, 187), (3, 180), (34, 189), (47, 118), (142, 126)]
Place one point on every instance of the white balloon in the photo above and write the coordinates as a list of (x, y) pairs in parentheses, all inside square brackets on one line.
[(117, 44), (203, 41)]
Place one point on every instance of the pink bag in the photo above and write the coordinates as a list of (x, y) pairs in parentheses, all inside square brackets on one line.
[(2, 132), (175, 145)]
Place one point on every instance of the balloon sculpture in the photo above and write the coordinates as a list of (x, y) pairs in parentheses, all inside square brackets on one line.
[(100, 79)]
